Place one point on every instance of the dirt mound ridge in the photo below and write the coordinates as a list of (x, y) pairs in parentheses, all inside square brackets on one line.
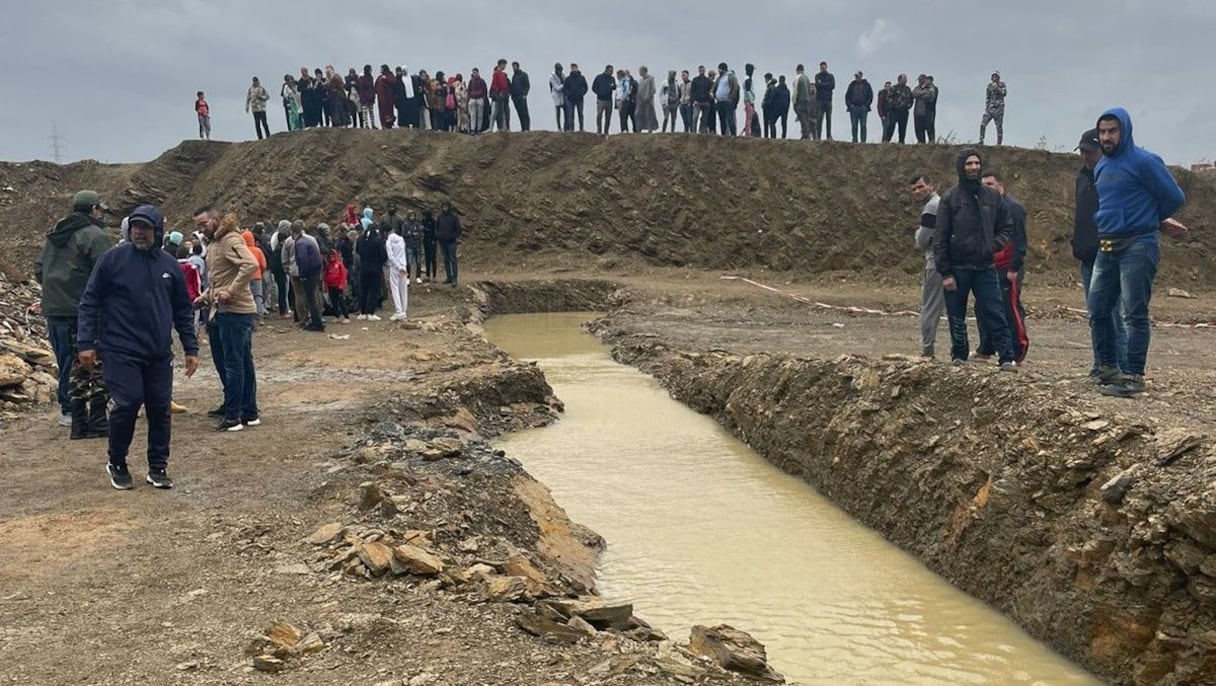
[(682, 200)]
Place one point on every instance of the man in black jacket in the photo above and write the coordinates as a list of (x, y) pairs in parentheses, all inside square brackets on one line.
[(973, 224), (1085, 240), (858, 98), (447, 232), (701, 94), (574, 90), (521, 85), (603, 86), (825, 85)]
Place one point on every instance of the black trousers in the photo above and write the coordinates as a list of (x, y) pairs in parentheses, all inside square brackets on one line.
[(918, 125), (135, 383), (896, 119), (449, 260), (260, 124), (628, 110), (312, 297), (338, 302), (429, 250), (280, 280), (369, 291), (521, 110)]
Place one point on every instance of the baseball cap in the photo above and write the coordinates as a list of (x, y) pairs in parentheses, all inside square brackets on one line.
[(1089, 142)]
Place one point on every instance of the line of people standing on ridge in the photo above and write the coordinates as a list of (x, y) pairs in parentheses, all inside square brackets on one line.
[(707, 102)]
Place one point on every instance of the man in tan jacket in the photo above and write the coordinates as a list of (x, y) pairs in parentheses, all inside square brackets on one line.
[(230, 267)]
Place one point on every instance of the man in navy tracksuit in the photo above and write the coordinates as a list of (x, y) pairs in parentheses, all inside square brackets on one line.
[(135, 297), (1137, 195)]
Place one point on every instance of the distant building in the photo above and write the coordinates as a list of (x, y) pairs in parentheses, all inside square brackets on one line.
[(1204, 168)]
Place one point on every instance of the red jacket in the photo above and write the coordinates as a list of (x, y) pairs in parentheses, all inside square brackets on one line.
[(499, 85), (335, 273)]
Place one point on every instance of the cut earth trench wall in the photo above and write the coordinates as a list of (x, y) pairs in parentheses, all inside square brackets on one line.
[(1097, 534)]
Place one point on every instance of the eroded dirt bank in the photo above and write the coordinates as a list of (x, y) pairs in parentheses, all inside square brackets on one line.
[(1087, 521)]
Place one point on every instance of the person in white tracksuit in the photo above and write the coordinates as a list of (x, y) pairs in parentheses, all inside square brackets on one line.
[(398, 273)]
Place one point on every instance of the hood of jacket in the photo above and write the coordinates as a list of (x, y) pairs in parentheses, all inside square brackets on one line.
[(1125, 130), (151, 214), (972, 185), (62, 233)]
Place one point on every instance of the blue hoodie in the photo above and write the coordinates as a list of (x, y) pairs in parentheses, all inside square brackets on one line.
[(135, 298), (1136, 192)]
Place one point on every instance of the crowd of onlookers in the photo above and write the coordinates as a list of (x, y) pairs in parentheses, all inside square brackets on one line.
[(111, 309), (707, 102)]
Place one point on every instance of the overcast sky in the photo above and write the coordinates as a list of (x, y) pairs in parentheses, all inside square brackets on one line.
[(117, 78)]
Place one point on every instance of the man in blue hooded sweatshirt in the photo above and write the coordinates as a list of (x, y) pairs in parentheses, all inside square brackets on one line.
[(134, 298), (1137, 195)]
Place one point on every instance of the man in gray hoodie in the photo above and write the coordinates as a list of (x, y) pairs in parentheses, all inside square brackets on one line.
[(932, 296)]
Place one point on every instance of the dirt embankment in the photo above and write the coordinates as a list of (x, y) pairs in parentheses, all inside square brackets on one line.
[(531, 199), (1092, 529)]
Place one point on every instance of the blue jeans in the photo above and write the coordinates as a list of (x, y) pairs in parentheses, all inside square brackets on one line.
[(1125, 276), (858, 117), (413, 258), (62, 334), (1116, 321), (236, 354), (989, 312), (449, 260)]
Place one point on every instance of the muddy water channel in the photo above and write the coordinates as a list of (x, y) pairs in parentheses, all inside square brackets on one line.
[(701, 529)]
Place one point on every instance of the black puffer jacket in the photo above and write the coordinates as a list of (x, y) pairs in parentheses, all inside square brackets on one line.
[(973, 223)]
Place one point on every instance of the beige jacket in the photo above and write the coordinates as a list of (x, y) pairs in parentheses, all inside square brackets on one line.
[(230, 266)]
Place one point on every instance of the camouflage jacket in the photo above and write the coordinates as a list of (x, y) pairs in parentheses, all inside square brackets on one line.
[(995, 99)]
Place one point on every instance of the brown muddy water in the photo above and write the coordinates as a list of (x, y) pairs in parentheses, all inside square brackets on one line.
[(702, 530)]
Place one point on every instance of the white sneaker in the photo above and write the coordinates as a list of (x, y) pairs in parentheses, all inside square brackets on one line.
[(373, 317), (362, 317), (65, 420), (418, 279), (395, 317)]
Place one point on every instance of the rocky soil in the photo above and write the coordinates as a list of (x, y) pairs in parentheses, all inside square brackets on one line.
[(28, 374), (533, 200)]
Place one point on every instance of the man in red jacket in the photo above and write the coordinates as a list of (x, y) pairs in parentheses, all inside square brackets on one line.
[(500, 94)]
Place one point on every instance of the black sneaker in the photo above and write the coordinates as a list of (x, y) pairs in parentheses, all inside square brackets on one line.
[(1107, 376), (229, 425), (217, 412), (120, 476), (252, 421), (159, 479), (1130, 386)]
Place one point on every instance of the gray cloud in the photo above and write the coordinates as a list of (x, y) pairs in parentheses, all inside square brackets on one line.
[(118, 78)]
